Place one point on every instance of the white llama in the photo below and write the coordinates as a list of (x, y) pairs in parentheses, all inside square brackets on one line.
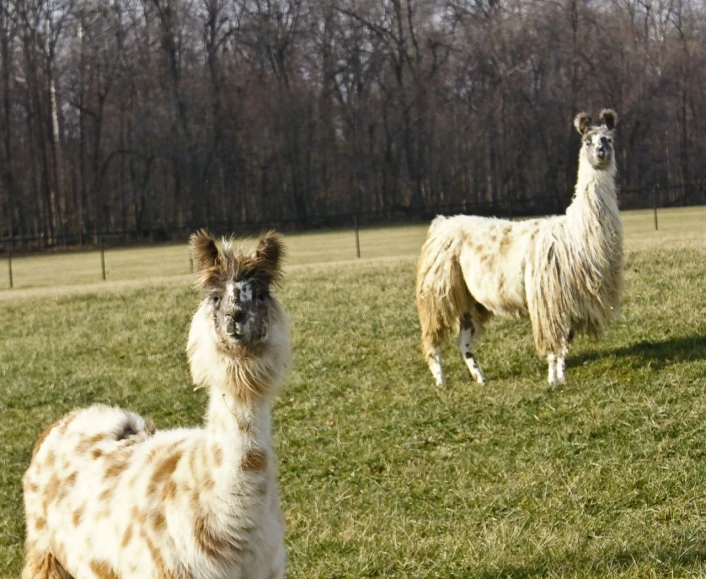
[(564, 272), (106, 497)]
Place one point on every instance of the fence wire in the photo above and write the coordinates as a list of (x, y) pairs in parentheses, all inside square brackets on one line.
[(646, 198)]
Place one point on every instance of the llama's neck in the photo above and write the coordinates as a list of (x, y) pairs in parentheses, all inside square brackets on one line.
[(241, 385), (239, 412), (239, 430), (595, 204)]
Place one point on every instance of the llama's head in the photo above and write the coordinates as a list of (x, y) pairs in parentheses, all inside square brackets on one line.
[(597, 140), (237, 284)]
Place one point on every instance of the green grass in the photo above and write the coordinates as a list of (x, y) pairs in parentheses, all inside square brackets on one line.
[(382, 474)]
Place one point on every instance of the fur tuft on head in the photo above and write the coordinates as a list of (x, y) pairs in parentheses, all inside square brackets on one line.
[(268, 255), (216, 264), (582, 122), (609, 118), (205, 254), (239, 338)]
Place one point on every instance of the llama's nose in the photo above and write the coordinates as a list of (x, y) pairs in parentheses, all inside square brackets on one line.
[(602, 148), (235, 323)]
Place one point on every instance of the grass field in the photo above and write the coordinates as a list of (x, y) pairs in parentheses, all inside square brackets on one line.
[(382, 474)]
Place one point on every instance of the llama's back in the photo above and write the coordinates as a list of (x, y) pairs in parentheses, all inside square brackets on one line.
[(101, 477), (88, 484), (62, 477), (80, 438), (80, 489)]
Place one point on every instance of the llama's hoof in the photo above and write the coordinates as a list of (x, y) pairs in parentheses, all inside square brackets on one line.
[(479, 378)]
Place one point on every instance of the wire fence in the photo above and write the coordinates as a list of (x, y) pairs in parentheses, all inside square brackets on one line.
[(654, 198)]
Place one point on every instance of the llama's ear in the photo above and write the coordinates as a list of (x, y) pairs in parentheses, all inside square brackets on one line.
[(205, 255), (609, 118), (203, 249), (269, 254), (582, 122)]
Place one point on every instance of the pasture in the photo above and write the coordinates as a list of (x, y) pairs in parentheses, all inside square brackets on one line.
[(382, 474)]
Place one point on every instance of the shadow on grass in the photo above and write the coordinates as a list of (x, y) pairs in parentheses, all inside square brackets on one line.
[(658, 353)]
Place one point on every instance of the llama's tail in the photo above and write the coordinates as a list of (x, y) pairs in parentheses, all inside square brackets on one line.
[(442, 295), (42, 565)]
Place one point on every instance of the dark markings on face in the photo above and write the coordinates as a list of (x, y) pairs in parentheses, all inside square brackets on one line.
[(598, 144), (237, 285), (241, 310)]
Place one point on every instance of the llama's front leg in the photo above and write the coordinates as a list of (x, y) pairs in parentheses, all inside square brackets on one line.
[(557, 364), (561, 360), (434, 362), (551, 361), (465, 346)]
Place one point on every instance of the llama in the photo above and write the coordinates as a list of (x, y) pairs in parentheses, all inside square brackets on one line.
[(565, 272), (107, 497)]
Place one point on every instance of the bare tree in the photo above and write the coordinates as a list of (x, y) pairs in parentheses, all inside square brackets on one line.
[(8, 30), (146, 115)]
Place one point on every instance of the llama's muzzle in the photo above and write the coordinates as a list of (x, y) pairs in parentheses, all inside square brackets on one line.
[(603, 149), (235, 326)]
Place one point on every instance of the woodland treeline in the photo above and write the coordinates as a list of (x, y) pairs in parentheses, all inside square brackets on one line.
[(135, 115)]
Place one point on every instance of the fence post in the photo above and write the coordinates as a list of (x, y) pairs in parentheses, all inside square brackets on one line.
[(9, 259), (100, 243), (654, 205), (357, 236)]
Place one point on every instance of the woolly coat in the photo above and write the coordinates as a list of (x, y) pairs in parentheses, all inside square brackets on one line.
[(564, 272)]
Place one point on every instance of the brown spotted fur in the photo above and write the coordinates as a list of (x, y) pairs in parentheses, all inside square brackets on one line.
[(177, 504)]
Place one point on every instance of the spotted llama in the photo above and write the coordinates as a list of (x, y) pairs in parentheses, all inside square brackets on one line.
[(106, 497), (565, 272)]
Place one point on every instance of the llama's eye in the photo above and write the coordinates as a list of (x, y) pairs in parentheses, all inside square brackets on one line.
[(215, 300)]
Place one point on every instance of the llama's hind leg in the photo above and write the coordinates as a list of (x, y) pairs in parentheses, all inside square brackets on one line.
[(431, 349), (465, 346), (432, 354)]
